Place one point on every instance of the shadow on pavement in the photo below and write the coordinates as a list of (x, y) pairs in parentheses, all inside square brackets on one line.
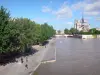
[(12, 56), (45, 43), (6, 58)]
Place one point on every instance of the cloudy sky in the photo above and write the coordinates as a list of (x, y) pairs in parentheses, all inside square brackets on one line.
[(59, 13)]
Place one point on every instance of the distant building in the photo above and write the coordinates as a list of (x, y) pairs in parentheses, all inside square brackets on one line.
[(62, 32), (81, 25), (59, 31)]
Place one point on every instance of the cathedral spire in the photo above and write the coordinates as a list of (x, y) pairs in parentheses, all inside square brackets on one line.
[(82, 17)]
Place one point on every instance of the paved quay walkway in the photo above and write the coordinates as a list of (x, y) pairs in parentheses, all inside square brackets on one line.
[(50, 55), (29, 64)]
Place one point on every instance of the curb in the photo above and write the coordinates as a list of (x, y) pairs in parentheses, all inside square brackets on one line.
[(32, 72)]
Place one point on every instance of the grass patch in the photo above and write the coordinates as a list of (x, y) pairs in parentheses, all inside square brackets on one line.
[(94, 36), (35, 73)]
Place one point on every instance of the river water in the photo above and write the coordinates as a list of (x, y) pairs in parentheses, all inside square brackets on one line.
[(74, 57)]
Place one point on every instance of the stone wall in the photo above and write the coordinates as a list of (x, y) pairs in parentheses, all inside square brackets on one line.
[(90, 36), (87, 36)]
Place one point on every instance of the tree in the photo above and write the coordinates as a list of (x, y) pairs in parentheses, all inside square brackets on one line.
[(73, 30), (59, 31), (4, 21), (19, 34), (46, 32), (66, 31), (94, 31)]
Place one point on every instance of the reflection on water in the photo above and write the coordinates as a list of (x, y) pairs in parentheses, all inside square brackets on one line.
[(74, 57)]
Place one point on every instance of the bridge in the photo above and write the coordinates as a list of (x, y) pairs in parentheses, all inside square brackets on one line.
[(63, 35)]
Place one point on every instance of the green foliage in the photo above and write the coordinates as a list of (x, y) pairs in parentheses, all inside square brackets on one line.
[(66, 31), (59, 32), (4, 17), (92, 31), (17, 34), (73, 31), (46, 32), (95, 36)]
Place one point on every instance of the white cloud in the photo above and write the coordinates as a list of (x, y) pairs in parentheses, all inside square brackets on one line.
[(93, 8), (93, 13), (90, 7), (88, 18), (91, 1), (40, 20), (78, 5), (69, 23), (46, 9), (63, 12)]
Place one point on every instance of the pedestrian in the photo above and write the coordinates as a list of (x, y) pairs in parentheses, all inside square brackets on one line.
[(26, 66), (22, 60)]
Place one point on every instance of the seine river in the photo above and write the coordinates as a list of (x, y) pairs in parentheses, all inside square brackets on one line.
[(74, 57)]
